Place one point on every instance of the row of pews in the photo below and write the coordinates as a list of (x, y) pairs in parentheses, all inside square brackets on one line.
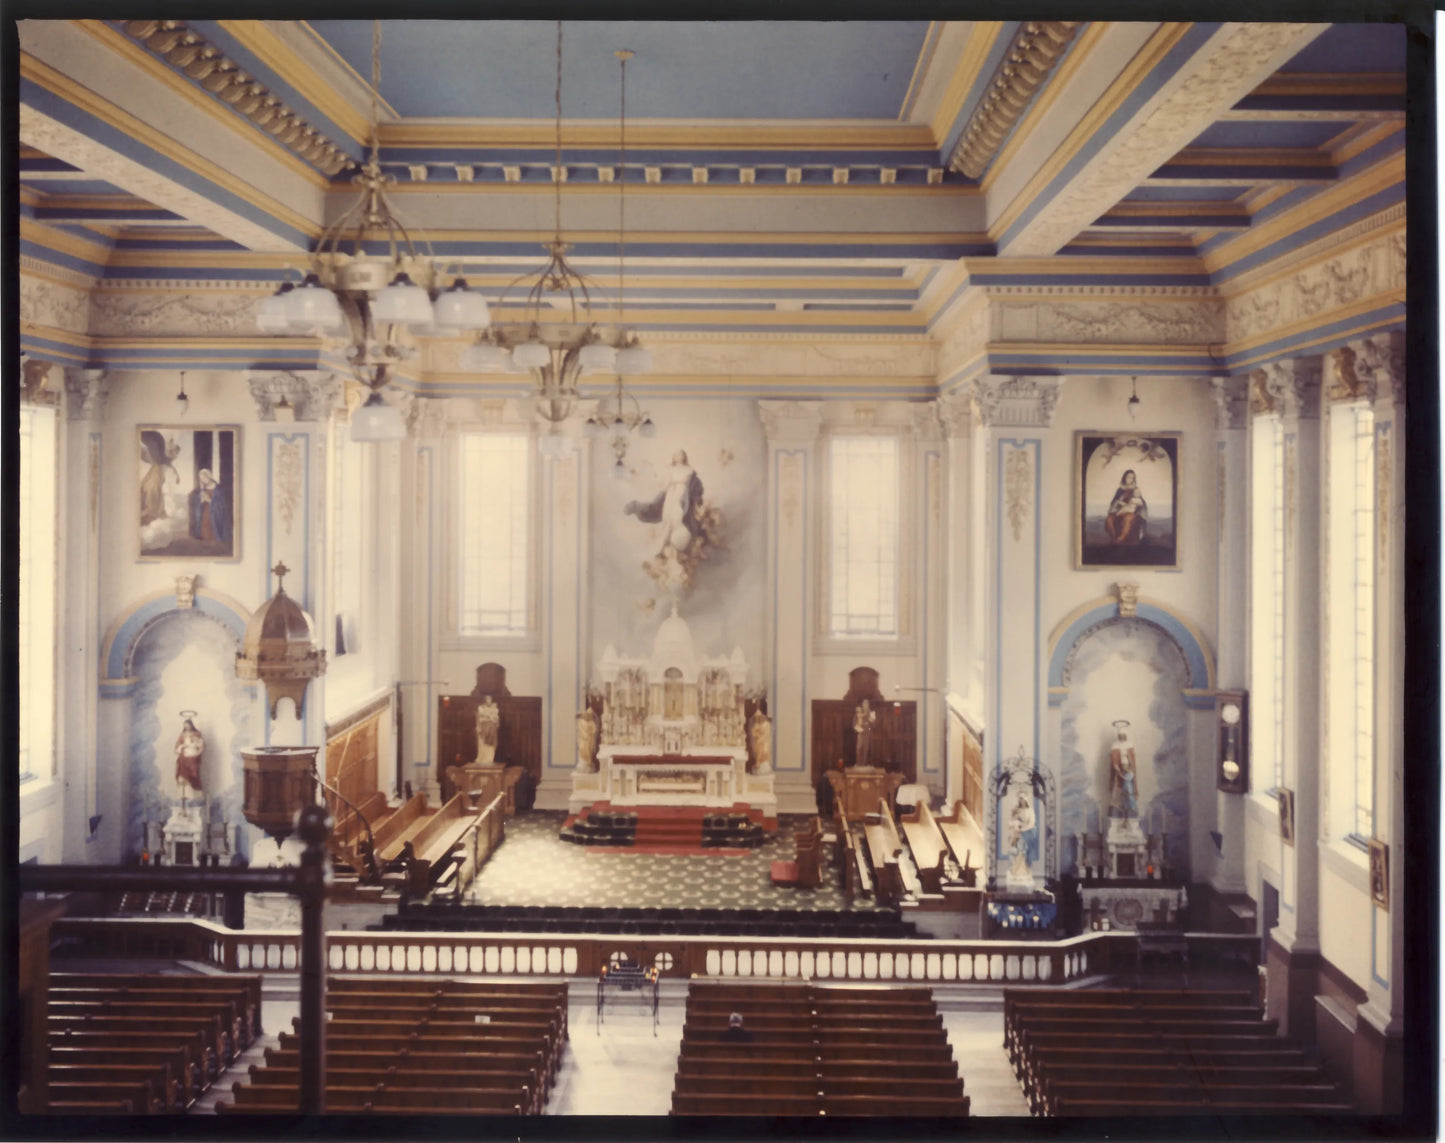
[(432, 846), (143, 1044), (1168, 1052), (408, 1046), (816, 1051), (917, 854)]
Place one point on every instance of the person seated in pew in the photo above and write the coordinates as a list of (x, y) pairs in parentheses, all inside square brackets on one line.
[(735, 1033)]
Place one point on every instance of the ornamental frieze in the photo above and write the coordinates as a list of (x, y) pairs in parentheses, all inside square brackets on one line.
[(118, 313)]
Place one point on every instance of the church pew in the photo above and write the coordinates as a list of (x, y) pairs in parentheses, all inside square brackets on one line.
[(90, 1107), (398, 827), (931, 1052), (756, 1084), (521, 1051), (245, 991), (883, 847), (140, 1093), (542, 1030), (443, 832), (685, 1103), (246, 1015), (928, 846), (832, 1083), (175, 1061), (412, 1101), (409, 985), (485, 1015), (1127, 1094), (839, 1066), (397, 1075), (963, 836), (199, 1053), (233, 1024), (1080, 1108), (897, 1103), (210, 1039), (164, 1084), (373, 809), (823, 1023)]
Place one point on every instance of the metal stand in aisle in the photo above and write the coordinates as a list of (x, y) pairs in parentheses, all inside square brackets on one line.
[(622, 974)]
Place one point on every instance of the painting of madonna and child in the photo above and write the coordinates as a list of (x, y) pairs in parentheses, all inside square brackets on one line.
[(1128, 492)]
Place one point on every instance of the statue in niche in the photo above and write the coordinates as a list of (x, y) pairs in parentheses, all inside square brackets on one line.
[(1021, 822), (690, 528), (190, 748), (1123, 776), (586, 738), (864, 719), (489, 722), (760, 736)]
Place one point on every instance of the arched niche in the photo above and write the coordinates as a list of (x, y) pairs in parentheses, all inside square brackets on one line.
[(161, 657), (1151, 669)]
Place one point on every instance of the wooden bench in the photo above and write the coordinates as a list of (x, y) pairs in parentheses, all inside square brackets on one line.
[(164, 1084), (141, 1094), (398, 827), (244, 991), (928, 846), (964, 839), (198, 1053), (687, 1103), (408, 985), (1077, 1108), (441, 841), (174, 1062), (233, 1025), (480, 1101), (210, 1042), (883, 848), (521, 1083), (89, 1107), (897, 1103)]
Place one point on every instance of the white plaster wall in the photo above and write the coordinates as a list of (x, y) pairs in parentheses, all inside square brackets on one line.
[(1346, 913)]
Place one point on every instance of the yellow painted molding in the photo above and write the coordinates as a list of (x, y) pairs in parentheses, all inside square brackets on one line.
[(123, 121), (52, 333), (1084, 44), (126, 46), (965, 74), (753, 135), (920, 68), (1109, 349), (1164, 39), (1250, 284), (63, 241), (258, 37), (1374, 133), (1381, 176)]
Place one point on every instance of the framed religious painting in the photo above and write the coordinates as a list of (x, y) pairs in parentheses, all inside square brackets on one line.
[(1380, 873), (1127, 500), (188, 483)]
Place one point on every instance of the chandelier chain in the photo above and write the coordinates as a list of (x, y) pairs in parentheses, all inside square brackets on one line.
[(557, 161), (375, 89), (622, 57)]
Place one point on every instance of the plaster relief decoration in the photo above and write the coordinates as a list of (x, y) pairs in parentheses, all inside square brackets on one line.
[(689, 528), (791, 479), (51, 304), (1018, 479), (1128, 493), (288, 482), (1017, 402), (1197, 321), (1383, 466), (187, 310), (94, 480), (188, 478)]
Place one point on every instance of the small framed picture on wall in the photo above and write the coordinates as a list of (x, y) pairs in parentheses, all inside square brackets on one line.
[(1380, 873), (188, 484), (1286, 816), (1127, 499)]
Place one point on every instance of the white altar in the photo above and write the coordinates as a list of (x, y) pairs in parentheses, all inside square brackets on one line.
[(673, 731)]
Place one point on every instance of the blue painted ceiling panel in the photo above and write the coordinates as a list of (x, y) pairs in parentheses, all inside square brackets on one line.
[(1353, 48), (1185, 194), (682, 70), (1268, 134)]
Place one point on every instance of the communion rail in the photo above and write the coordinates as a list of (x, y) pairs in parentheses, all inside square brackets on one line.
[(553, 954)]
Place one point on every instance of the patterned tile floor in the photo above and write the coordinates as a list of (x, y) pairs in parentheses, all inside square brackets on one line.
[(533, 866)]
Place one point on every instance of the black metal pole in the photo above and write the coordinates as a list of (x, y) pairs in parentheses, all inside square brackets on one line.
[(313, 825)]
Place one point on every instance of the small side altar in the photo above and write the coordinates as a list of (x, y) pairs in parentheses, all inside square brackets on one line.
[(673, 731)]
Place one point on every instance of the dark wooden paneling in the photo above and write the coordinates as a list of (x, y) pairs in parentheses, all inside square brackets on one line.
[(351, 758), (519, 736), (895, 736)]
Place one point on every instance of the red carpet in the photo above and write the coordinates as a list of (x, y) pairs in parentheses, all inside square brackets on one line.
[(673, 831)]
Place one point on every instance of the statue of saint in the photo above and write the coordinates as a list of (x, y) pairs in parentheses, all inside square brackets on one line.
[(864, 719), (489, 722), (1123, 776), (760, 735), (1021, 821), (586, 738), (190, 746)]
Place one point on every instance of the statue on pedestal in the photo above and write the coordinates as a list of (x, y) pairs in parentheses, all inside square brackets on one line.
[(489, 721), (190, 747), (1021, 821), (864, 719), (586, 739), (1123, 776), (760, 735)]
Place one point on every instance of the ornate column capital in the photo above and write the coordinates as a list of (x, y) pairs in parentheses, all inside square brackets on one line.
[(1017, 402), (791, 422), (86, 391), (926, 420), (957, 414), (1380, 364), (425, 416), (1290, 388), (289, 396), (1230, 406)]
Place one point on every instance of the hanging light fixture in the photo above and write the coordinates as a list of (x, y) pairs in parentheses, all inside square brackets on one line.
[(183, 403), (1134, 401), (619, 413), (558, 353), (369, 301)]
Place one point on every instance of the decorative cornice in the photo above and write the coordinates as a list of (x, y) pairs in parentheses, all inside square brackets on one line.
[(1017, 402), (86, 391), (206, 66), (791, 422), (310, 396), (1230, 404), (1035, 51)]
